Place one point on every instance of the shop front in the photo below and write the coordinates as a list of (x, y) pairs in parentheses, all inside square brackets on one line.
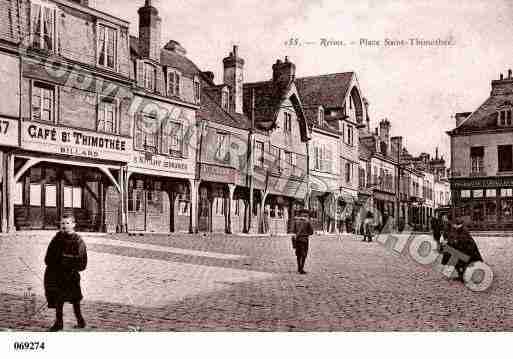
[(63, 171), (9, 140)]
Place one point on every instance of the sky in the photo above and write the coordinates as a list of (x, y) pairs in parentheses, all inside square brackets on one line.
[(417, 88)]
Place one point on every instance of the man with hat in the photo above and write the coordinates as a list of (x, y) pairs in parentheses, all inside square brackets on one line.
[(302, 229)]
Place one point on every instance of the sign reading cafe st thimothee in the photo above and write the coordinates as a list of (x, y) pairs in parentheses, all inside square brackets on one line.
[(66, 141)]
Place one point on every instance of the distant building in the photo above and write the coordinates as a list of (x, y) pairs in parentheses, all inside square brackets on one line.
[(482, 161)]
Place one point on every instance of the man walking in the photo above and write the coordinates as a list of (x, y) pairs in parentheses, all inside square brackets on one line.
[(302, 229)]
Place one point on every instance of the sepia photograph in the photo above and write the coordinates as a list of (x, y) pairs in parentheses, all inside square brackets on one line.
[(268, 167)]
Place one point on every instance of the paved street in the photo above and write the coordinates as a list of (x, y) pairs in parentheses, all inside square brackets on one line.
[(220, 283)]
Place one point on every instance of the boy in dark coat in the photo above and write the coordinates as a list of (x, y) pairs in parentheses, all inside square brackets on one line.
[(302, 229), (436, 227), (65, 258)]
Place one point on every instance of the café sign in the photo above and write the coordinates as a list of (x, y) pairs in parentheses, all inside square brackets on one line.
[(81, 143)]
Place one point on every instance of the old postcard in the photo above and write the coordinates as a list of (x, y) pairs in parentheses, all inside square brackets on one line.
[(255, 166)]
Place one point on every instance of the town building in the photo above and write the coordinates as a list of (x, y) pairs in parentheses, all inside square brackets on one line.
[(74, 128), (482, 161)]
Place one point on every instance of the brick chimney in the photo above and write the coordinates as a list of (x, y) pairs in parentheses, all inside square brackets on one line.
[(384, 136), (504, 85), (234, 77), (284, 72), (149, 31), (396, 147)]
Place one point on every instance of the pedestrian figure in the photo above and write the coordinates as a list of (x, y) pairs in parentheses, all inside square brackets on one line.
[(459, 238), (302, 229), (65, 258), (436, 227), (367, 227)]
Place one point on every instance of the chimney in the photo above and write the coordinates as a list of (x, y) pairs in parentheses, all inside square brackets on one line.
[(284, 72), (396, 147), (149, 31), (461, 116), (384, 135), (209, 75), (234, 77), (174, 46)]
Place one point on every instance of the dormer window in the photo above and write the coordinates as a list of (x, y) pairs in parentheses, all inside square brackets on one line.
[(107, 39), (504, 117), (173, 83), (225, 98), (197, 89)]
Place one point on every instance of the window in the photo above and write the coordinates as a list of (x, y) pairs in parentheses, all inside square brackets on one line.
[(72, 197), (348, 172), (42, 102), (225, 99), (276, 153), (317, 158), (107, 40), (50, 195), (197, 89), (221, 146), (477, 159), (287, 124), (465, 193), (505, 158), (150, 74), (504, 117), (18, 193), (478, 193), (172, 138), (321, 117), (145, 133), (259, 154), (218, 206), (173, 83), (183, 208), (107, 115), (43, 26), (349, 137), (288, 158), (507, 192)]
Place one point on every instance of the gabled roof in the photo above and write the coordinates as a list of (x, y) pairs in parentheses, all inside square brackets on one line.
[(210, 110), (327, 90)]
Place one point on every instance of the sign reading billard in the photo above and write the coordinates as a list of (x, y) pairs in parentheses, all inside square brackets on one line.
[(9, 132), (66, 141)]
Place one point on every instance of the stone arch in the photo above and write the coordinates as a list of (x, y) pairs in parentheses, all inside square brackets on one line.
[(358, 103)]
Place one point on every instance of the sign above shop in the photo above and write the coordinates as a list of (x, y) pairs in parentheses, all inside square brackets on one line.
[(482, 182), (165, 166), (72, 142), (216, 173), (9, 134)]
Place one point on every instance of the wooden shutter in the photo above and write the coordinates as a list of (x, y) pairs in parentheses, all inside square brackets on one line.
[(159, 79)]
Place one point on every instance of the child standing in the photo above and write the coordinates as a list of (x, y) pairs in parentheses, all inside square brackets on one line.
[(65, 258)]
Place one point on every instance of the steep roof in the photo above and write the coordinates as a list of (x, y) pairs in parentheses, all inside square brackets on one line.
[(327, 90), (210, 110)]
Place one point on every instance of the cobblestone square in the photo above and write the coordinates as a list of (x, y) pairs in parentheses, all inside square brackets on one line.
[(235, 283)]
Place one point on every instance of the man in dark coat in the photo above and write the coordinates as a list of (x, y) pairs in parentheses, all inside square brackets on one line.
[(65, 258), (302, 229), (436, 227), (459, 238)]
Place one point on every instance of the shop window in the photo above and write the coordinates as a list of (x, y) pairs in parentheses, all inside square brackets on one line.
[(183, 208), (218, 206), (173, 83), (505, 157), (490, 193), (107, 115), (506, 210), (35, 195), (43, 26), (507, 192), (155, 201), (50, 195), (280, 212), (72, 197), (107, 43), (477, 193), (477, 214), (43, 102), (18, 193), (172, 138), (465, 193)]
